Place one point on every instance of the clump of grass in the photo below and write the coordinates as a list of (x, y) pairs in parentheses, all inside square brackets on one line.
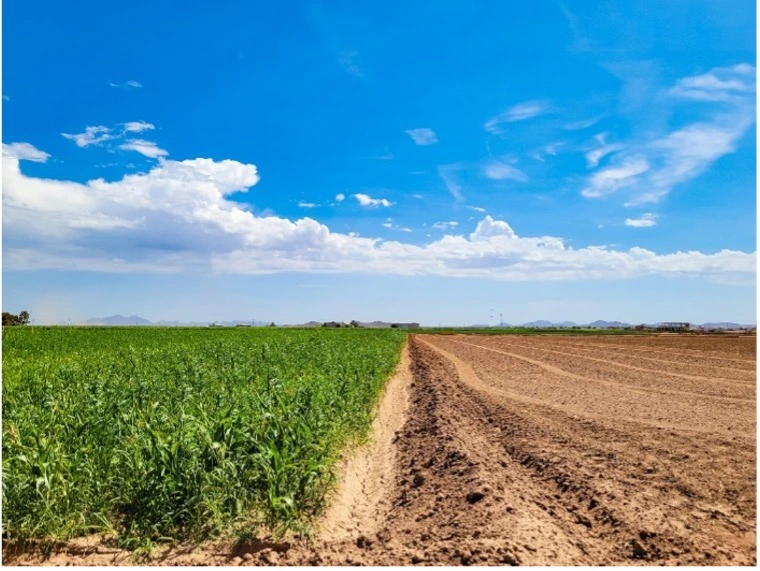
[(157, 434)]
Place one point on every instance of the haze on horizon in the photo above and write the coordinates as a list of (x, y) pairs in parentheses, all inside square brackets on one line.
[(442, 164)]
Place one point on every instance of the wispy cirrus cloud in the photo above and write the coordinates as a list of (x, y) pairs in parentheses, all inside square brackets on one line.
[(595, 155), (727, 84), (126, 85), (646, 220), (647, 170), (499, 170), (519, 112), (448, 175), (422, 136), (146, 148), (304, 204), (347, 60), (137, 126), (367, 201), (93, 135)]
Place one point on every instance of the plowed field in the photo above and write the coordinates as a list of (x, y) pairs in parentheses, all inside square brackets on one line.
[(541, 450)]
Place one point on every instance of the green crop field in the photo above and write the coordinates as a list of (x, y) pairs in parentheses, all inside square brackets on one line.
[(151, 433)]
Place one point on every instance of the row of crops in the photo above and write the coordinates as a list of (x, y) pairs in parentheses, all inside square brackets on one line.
[(174, 433)]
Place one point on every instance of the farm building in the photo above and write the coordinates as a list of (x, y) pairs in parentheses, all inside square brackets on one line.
[(405, 325), (673, 326)]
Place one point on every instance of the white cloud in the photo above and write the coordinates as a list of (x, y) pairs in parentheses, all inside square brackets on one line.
[(447, 172), (347, 60), (445, 225), (304, 204), (340, 197), (137, 126), (520, 112), (146, 148), (582, 124), (477, 208), (727, 84), (649, 169), (646, 220), (129, 84), (391, 226), (612, 179), (595, 155), (367, 201), (386, 156), (178, 217), (24, 152), (423, 136), (93, 135), (497, 170)]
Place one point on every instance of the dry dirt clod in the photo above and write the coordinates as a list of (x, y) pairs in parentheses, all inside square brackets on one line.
[(474, 497), (418, 480), (639, 551), (583, 520)]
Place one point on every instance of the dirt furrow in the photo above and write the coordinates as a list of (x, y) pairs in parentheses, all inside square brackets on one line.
[(635, 388), (708, 356), (618, 354)]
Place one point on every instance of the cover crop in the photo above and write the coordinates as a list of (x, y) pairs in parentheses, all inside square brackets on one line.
[(155, 433)]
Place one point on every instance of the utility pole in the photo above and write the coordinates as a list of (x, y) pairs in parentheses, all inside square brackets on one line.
[(501, 321)]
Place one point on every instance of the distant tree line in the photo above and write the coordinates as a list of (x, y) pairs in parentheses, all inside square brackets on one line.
[(11, 319)]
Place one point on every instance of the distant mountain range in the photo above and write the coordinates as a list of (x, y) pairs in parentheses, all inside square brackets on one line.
[(120, 320), (137, 320)]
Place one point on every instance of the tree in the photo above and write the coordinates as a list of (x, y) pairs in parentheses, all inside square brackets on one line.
[(272, 324), (10, 319), (354, 323)]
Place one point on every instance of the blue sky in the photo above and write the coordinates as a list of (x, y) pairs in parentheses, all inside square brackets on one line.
[(425, 161)]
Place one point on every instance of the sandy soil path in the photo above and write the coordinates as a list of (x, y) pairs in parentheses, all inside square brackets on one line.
[(539, 451)]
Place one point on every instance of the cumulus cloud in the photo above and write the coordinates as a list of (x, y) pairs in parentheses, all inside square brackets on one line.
[(137, 126), (367, 201), (340, 197), (146, 148), (649, 169), (646, 220), (498, 170), (25, 152), (520, 112), (422, 136), (93, 135), (179, 217)]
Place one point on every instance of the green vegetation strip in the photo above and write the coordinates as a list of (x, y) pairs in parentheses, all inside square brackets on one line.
[(154, 433)]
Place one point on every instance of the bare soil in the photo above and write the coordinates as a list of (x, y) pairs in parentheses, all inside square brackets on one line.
[(505, 450)]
